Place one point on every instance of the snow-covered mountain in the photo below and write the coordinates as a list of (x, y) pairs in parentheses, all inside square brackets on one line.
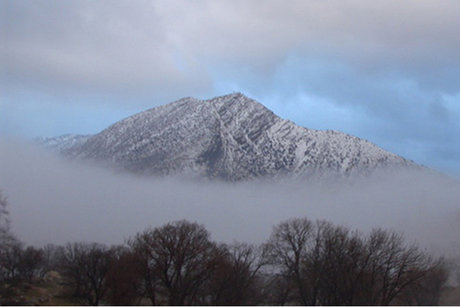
[(231, 137), (63, 142)]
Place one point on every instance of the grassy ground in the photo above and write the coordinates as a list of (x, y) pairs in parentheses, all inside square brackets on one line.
[(52, 292), (48, 292), (451, 296)]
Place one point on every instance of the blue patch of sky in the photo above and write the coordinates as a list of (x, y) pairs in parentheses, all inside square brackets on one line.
[(387, 108), (179, 61)]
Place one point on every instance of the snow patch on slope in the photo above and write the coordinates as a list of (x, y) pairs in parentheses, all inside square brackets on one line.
[(230, 137)]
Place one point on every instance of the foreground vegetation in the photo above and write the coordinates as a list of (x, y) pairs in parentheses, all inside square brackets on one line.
[(302, 262)]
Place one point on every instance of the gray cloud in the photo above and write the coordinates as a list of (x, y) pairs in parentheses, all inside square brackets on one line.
[(53, 200), (166, 46), (95, 47)]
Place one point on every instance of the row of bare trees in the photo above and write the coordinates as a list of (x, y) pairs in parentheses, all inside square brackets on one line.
[(324, 264), (302, 262), (182, 266)]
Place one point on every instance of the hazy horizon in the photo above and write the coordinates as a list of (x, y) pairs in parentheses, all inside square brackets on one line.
[(54, 200)]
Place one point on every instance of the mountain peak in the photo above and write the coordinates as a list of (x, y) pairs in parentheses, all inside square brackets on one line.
[(235, 98), (231, 137), (233, 95)]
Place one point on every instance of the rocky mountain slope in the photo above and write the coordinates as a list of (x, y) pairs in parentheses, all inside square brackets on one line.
[(63, 142), (231, 137)]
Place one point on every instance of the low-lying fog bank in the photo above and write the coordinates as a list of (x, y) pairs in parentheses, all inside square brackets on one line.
[(52, 200)]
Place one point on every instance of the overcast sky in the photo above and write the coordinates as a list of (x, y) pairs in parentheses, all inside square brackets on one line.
[(386, 71)]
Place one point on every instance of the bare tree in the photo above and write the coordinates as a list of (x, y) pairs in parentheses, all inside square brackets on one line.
[(330, 265), (124, 278), (426, 290), (52, 255), (10, 260), (10, 247), (31, 263), (180, 256), (278, 289), (85, 266), (4, 217), (235, 279), (333, 264), (287, 248), (150, 279), (391, 266)]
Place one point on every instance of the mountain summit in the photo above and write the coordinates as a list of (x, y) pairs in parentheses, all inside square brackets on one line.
[(230, 137)]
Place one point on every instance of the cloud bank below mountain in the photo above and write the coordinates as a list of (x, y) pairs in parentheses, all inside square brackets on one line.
[(52, 200)]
